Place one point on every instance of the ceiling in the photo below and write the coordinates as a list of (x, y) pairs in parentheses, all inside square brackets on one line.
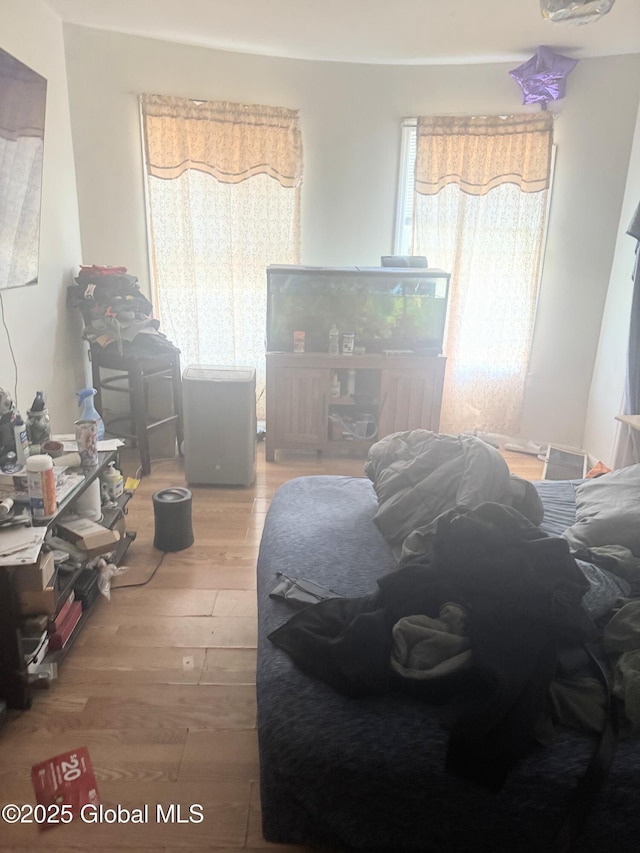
[(414, 32)]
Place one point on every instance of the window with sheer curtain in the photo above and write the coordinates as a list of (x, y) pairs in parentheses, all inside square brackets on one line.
[(475, 203), (223, 186)]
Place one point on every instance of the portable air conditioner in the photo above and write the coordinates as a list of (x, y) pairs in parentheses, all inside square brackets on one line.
[(219, 405)]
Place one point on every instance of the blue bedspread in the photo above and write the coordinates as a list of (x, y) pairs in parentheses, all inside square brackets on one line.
[(369, 774)]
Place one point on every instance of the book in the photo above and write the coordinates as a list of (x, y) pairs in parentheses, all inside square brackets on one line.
[(56, 622), (59, 639)]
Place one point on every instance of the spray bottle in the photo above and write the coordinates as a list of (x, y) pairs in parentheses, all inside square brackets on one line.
[(88, 411), (22, 441)]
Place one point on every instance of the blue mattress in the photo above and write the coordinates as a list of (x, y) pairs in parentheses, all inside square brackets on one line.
[(369, 774)]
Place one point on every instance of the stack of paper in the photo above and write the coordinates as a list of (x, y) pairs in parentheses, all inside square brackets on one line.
[(21, 545)]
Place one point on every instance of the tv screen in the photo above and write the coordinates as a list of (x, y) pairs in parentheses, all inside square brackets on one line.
[(22, 111), (386, 309)]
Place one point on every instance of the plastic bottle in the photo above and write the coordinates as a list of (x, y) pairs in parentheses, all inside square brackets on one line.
[(335, 386), (334, 340), (38, 424), (42, 486), (88, 411), (114, 482), (21, 439), (351, 383)]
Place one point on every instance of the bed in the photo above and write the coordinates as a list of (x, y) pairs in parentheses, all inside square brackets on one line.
[(369, 774)]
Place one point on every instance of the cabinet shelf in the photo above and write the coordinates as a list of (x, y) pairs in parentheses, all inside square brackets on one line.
[(342, 401), (401, 392)]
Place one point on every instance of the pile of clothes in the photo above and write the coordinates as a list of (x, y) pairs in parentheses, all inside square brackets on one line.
[(116, 314)]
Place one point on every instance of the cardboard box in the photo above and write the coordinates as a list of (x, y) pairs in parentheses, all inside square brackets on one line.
[(90, 537), (33, 603), (35, 626), (36, 577)]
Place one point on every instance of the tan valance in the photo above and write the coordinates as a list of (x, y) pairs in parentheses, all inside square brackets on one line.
[(479, 153), (231, 142)]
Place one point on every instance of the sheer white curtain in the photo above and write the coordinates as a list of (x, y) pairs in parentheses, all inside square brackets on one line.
[(20, 188), (224, 203), (481, 216), (22, 98)]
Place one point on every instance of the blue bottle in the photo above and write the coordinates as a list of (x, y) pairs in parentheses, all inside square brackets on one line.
[(88, 411)]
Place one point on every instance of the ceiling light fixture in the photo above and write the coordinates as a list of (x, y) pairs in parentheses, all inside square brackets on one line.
[(580, 11)]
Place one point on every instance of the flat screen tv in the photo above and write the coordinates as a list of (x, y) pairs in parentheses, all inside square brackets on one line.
[(22, 110), (386, 309)]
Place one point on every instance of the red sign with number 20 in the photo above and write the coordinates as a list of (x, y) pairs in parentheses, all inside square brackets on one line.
[(67, 781)]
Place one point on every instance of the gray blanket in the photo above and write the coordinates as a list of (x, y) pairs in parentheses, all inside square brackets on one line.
[(418, 475)]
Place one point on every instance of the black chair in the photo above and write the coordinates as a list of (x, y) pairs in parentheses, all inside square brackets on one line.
[(132, 375)]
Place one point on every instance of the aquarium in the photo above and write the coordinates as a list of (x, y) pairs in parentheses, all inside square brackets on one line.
[(386, 309)]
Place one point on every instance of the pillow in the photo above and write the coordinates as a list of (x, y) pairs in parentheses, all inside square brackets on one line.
[(608, 511)]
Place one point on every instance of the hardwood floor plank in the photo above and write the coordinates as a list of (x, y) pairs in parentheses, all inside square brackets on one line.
[(229, 666), (74, 848), (112, 760), (198, 571), (95, 664), (158, 602), (220, 754), (171, 706), (236, 603), (174, 631)]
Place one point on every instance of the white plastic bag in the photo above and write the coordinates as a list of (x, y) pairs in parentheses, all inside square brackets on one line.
[(106, 571)]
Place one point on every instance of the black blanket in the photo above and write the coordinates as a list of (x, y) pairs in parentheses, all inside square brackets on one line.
[(522, 591)]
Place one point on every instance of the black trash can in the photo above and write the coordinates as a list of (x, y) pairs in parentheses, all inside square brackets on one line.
[(172, 514)]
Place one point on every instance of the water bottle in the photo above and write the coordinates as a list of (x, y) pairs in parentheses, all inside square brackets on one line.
[(88, 411), (41, 483)]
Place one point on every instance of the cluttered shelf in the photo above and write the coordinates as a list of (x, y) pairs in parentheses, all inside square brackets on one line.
[(49, 572), (70, 483), (82, 583)]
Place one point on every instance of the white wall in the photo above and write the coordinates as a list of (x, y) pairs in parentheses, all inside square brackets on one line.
[(589, 185), (351, 118), (607, 387), (46, 341)]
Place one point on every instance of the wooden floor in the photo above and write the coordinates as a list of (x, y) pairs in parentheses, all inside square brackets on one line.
[(160, 685)]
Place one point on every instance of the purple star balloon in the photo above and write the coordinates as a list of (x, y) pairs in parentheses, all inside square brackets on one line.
[(543, 78)]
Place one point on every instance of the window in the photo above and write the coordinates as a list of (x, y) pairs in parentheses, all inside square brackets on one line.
[(487, 229), (406, 189), (223, 191)]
